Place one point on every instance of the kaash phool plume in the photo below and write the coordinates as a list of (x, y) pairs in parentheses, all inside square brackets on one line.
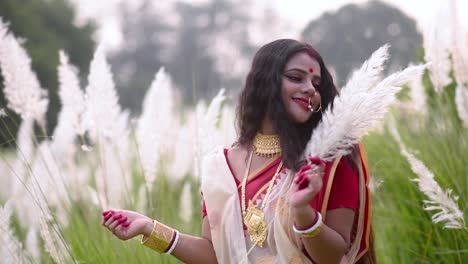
[(359, 108)]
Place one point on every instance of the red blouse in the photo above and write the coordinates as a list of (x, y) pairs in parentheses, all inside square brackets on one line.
[(344, 192)]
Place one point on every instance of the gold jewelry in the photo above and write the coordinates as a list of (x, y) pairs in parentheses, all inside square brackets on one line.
[(319, 109), (313, 231), (254, 218), (266, 145), (160, 238), (310, 106)]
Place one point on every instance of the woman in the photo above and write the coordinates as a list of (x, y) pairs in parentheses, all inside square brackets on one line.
[(262, 202)]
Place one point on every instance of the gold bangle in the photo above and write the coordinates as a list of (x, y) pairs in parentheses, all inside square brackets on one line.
[(314, 233), (160, 238)]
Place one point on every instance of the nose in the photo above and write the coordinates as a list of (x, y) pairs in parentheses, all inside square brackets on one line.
[(309, 89)]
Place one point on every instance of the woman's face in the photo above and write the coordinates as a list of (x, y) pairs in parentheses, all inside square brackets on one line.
[(300, 82)]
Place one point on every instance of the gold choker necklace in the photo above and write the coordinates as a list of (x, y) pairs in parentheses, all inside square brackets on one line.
[(266, 145)]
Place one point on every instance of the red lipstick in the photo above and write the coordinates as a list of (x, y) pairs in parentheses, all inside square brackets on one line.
[(304, 103)]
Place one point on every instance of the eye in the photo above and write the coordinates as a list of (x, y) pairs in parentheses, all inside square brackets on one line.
[(316, 82), (293, 78)]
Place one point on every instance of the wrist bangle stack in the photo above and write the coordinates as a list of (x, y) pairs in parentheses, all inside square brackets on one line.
[(313, 231), (162, 239), (173, 243)]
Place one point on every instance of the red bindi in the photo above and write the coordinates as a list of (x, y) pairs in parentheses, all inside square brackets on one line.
[(311, 70)]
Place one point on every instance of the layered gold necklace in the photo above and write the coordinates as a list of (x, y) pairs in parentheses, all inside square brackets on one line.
[(254, 218), (266, 145)]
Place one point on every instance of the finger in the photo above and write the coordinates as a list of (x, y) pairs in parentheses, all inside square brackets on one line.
[(319, 171), (110, 211), (303, 182), (316, 161), (315, 184), (304, 168), (299, 177), (116, 223), (314, 172), (309, 168), (310, 176), (112, 219), (118, 216), (107, 217), (118, 230)]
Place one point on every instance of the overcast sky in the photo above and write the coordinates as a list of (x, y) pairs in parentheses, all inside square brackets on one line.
[(297, 12), (301, 11)]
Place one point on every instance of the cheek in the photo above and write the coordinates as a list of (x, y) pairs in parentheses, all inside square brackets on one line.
[(288, 89), (318, 98), (285, 92)]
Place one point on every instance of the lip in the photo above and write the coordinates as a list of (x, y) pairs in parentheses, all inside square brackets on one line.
[(304, 103)]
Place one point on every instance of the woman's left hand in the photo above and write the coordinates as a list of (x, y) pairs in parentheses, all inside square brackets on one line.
[(307, 183)]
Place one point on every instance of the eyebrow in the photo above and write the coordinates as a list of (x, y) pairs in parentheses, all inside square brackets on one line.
[(304, 72), (297, 69)]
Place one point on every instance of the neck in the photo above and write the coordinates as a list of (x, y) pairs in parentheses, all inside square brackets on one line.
[(267, 128)]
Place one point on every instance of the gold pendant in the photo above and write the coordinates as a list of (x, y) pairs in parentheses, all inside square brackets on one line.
[(256, 226)]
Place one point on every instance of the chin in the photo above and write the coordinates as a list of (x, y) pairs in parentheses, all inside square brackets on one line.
[(301, 119)]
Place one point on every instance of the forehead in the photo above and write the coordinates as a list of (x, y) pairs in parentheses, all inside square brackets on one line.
[(303, 61)]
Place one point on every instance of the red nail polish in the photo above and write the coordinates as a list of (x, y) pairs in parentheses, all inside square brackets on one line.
[(126, 225), (304, 183), (300, 177), (305, 168), (118, 216), (315, 160), (107, 217)]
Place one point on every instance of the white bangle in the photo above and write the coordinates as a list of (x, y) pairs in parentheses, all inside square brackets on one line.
[(176, 239), (317, 224)]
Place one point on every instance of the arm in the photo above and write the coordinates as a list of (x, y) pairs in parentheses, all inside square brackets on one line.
[(330, 245), (334, 238), (190, 249)]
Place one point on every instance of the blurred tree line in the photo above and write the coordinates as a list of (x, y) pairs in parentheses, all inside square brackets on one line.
[(46, 26), (346, 37), (183, 42)]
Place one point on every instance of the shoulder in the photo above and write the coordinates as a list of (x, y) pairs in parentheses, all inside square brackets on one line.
[(343, 163), (236, 152), (345, 186)]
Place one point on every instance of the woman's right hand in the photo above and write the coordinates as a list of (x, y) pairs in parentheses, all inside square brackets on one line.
[(126, 224)]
